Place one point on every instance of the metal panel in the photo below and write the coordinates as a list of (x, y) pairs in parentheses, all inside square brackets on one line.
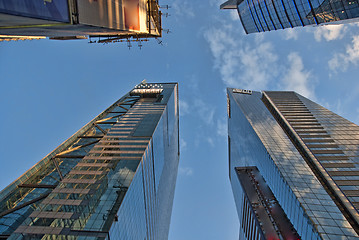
[(127, 15), (53, 10)]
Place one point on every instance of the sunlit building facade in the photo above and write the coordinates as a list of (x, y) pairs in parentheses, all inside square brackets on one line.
[(269, 15), (102, 21), (113, 179), (292, 163)]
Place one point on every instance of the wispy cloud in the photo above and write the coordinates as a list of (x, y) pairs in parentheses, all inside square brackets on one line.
[(296, 78), (216, 2), (328, 32), (222, 127), (241, 63), (186, 171), (205, 111), (254, 64), (183, 8), (184, 108), (210, 141), (290, 33), (183, 144), (341, 61)]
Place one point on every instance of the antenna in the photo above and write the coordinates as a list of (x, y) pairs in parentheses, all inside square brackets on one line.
[(159, 41), (165, 7), (129, 45), (166, 30)]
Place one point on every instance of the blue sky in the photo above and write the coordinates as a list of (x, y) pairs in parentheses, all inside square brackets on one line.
[(50, 89)]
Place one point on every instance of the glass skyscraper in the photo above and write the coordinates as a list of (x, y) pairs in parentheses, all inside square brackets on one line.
[(293, 166), (268, 15), (113, 179)]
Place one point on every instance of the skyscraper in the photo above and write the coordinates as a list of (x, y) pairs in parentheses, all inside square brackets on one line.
[(269, 15), (292, 163), (113, 179), (76, 19)]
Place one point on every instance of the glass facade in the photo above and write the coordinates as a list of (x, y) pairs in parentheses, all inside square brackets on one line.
[(259, 138), (261, 216), (108, 181), (268, 15)]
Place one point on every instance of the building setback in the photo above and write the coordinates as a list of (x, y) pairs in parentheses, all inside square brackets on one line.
[(269, 15), (113, 179), (288, 154)]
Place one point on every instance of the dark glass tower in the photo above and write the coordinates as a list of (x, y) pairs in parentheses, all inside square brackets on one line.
[(293, 166), (268, 15), (113, 179)]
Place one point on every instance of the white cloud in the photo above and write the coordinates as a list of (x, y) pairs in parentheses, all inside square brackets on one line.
[(205, 111), (329, 32), (210, 141), (234, 15), (216, 2), (183, 8), (297, 78), (252, 62), (340, 61), (187, 171), (222, 128), (290, 33), (241, 63), (183, 144), (184, 108)]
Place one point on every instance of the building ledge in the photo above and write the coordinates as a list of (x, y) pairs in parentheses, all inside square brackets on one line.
[(230, 4)]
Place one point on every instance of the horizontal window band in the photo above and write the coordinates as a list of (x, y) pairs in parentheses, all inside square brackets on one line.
[(120, 131), (289, 104), (322, 145), (293, 110), (329, 158), (126, 140), (57, 215), (295, 118), (306, 127), (73, 190), (338, 165), (347, 182), (80, 180), (106, 122), (351, 193), (324, 151), (119, 152), (69, 156), (84, 164), (122, 128), (30, 185), (80, 172), (113, 158), (69, 202), (120, 146), (286, 113), (38, 230), (304, 131), (356, 204), (297, 115), (325, 140), (314, 136), (344, 173), (93, 136), (304, 123)]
